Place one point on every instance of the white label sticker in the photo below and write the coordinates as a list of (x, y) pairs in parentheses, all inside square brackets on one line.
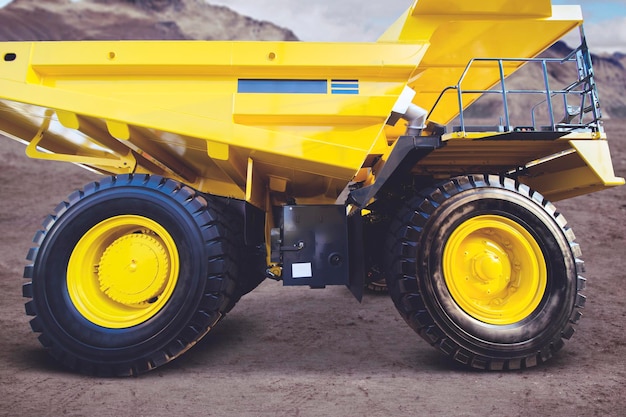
[(301, 270)]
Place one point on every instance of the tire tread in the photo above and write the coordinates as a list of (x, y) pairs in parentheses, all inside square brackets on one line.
[(405, 231), (212, 220)]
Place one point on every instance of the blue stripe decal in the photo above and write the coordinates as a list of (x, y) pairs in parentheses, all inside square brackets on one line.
[(344, 87), (273, 86), (283, 86)]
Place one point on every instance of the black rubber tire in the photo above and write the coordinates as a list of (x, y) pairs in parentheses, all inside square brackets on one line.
[(251, 259), (420, 293), (206, 279), (375, 229)]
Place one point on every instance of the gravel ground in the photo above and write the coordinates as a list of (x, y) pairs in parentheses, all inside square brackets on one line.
[(301, 352)]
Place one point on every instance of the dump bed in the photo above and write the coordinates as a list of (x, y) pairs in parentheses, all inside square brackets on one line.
[(239, 118), (199, 111)]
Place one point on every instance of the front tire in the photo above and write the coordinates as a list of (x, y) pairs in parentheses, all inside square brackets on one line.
[(128, 274), (486, 271)]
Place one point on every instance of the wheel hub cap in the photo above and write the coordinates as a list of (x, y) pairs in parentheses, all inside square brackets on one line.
[(133, 269), (123, 271), (494, 269)]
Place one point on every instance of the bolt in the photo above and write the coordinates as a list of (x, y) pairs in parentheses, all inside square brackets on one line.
[(335, 259)]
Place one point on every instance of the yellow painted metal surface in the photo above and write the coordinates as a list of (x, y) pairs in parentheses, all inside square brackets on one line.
[(459, 31), (495, 269), (123, 271), (178, 107), (266, 120), (585, 168)]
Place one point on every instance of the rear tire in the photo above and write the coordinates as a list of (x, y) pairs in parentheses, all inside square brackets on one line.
[(251, 259), (128, 274), (375, 229), (487, 271)]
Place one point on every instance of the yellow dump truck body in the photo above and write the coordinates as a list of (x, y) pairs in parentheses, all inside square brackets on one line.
[(180, 104), (237, 118)]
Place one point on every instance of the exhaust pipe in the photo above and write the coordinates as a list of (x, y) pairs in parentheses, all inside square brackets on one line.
[(407, 110)]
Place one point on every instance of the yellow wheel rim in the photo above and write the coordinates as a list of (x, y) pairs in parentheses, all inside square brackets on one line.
[(494, 269), (122, 271)]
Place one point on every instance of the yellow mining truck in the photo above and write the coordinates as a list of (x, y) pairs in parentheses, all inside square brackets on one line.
[(226, 163)]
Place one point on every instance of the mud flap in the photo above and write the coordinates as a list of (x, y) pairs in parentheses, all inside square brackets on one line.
[(356, 249)]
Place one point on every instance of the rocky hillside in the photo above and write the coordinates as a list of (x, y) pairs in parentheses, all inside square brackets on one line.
[(195, 19), (130, 19), (610, 73)]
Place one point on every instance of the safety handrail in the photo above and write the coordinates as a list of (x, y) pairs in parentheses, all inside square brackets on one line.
[(584, 87)]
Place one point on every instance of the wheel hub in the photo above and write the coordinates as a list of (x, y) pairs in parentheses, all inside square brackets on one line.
[(490, 269), (123, 271), (494, 269), (133, 269)]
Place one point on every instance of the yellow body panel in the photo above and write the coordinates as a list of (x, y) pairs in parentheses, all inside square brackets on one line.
[(177, 105), (463, 30), (253, 120)]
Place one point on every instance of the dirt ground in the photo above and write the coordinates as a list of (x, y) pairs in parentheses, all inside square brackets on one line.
[(301, 352)]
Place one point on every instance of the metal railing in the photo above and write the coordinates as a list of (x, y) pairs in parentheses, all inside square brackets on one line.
[(581, 106)]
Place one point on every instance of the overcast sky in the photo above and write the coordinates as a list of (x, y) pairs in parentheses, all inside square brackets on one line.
[(362, 20), (359, 20)]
